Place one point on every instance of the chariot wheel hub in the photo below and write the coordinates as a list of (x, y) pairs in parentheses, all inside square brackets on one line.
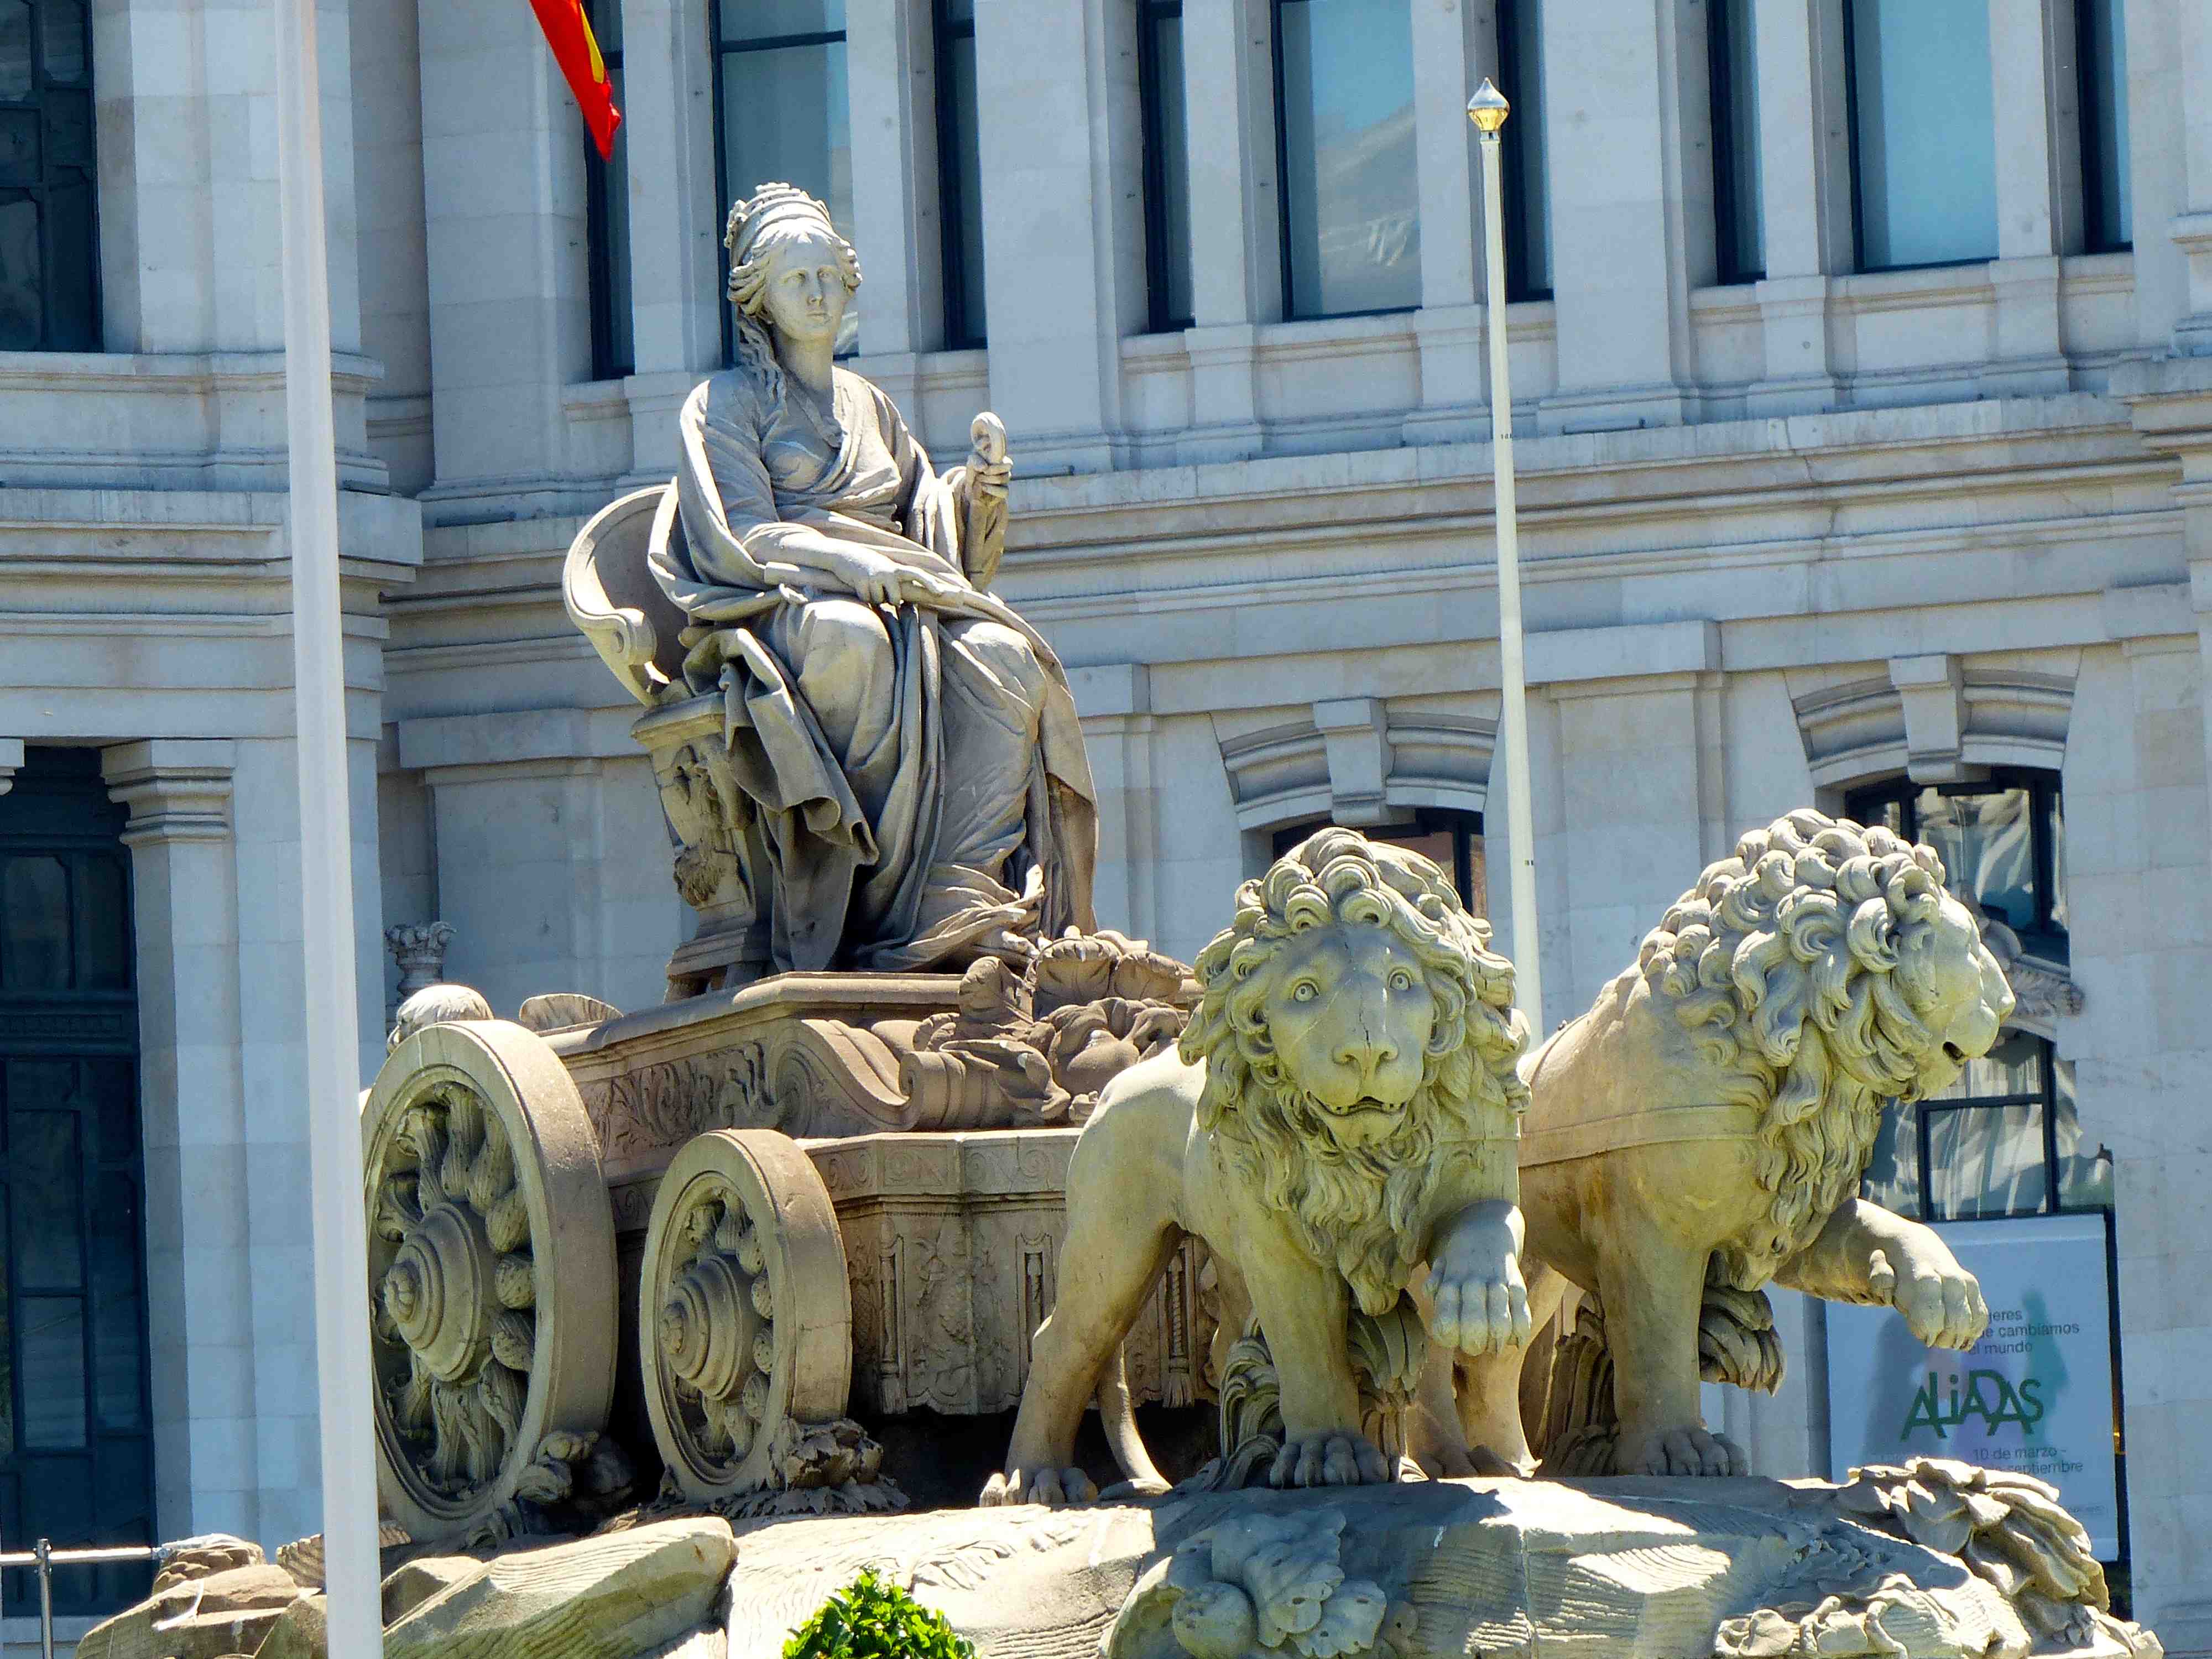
[(706, 1325), (439, 1291)]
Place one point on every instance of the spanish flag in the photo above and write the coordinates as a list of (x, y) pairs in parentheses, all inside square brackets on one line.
[(569, 32)]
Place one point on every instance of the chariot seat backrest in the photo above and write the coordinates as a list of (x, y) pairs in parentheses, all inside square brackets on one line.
[(613, 599)]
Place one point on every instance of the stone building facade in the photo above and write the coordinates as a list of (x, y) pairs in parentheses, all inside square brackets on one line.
[(1843, 522)]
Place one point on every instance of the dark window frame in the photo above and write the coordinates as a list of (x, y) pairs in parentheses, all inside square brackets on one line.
[(600, 239), (59, 808), (1851, 132), (53, 175), (1731, 267), (722, 51), (947, 31), (2087, 68), (1527, 106), (2045, 791), (1290, 313), (1464, 827), (1158, 252)]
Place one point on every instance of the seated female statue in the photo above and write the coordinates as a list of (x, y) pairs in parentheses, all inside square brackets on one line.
[(909, 742)]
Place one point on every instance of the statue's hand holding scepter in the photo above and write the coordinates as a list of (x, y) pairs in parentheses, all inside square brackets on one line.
[(982, 490)]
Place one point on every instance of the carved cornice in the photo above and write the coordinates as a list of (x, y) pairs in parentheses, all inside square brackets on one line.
[(178, 789)]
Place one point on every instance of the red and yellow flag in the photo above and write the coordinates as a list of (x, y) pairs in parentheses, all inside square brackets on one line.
[(569, 32)]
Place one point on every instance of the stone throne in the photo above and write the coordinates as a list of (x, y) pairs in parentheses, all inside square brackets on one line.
[(722, 866)]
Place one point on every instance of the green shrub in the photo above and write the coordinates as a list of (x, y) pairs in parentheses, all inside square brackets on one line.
[(874, 1620)]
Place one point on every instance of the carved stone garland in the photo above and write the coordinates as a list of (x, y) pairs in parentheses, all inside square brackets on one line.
[(746, 1328), (491, 1271)]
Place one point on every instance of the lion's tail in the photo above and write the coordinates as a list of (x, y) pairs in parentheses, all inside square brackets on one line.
[(1120, 1416)]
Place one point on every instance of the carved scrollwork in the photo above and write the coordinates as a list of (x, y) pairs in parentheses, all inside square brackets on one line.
[(661, 1106)]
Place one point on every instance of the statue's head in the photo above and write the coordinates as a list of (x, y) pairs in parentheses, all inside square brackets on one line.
[(790, 271)]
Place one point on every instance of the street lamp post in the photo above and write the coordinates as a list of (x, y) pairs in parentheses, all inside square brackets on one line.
[(1488, 109)]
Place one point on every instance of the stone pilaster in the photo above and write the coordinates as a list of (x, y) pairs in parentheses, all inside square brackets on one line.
[(1805, 198), (200, 1278), (1235, 209), (11, 762), (1454, 45), (1619, 281), (2032, 69)]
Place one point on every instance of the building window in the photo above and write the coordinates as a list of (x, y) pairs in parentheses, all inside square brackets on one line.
[(1343, 131), (1451, 840), (49, 234), (607, 203), (959, 175), (781, 114), (2101, 56), (2006, 1138), (1167, 165), (1527, 201), (1923, 132), (1739, 217), (75, 1416)]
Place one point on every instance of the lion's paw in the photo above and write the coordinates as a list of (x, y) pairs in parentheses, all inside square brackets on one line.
[(1055, 1488), (1691, 1450), (1330, 1460)]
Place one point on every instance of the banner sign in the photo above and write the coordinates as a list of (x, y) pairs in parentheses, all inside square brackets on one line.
[(2034, 1395)]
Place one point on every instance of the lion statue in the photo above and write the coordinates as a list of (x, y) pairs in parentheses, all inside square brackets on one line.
[(1340, 1109), (1702, 1129)]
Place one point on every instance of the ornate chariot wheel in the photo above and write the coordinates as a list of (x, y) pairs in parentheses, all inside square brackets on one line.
[(746, 1319), (491, 1263)]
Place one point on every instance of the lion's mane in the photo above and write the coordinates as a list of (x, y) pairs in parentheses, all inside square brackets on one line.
[(1786, 962), (1358, 1207)]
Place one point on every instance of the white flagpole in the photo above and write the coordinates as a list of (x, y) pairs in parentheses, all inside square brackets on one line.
[(341, 1237), (1488, 109)]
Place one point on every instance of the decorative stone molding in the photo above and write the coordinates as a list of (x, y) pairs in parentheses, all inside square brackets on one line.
[(1356, 762), (11, 762), (1935, 721), (178, 789), (419, 948)]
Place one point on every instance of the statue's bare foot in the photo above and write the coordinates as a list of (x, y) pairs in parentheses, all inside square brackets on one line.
[(1055, 1488), (1692, 1450), (1330, 1460)]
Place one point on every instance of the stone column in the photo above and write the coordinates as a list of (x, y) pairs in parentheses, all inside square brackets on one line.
[(2032, 76), (1060, 138), (675, 219), (1618, 281), (1236, 226), (1805, 197), (1454, 45), (890, 81), (199, 1274), (1115, 702), (504, 200), (2191, 227)]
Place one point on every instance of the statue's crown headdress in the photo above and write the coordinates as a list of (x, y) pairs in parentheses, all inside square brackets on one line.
[(770, 204)]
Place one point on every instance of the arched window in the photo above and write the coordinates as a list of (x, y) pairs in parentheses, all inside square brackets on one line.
[(2006, 1139), (49, 237), (1451, 840)]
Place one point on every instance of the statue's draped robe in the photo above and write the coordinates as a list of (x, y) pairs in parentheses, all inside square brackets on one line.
[(919, 774)]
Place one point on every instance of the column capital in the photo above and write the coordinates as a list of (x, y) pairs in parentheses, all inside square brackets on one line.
[(177, 788), (11, 762)]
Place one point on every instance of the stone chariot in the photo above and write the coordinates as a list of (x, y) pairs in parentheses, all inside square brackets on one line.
[(725, 1222)]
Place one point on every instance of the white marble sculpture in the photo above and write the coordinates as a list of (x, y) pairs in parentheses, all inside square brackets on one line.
[(906, 745)]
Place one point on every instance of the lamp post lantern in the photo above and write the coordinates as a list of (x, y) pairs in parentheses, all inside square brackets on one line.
[(1488, 110)]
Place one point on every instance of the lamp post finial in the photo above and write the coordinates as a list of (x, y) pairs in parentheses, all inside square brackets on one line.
[(1488, 109)]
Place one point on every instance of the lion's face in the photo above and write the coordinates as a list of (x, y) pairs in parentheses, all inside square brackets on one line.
[(1351, 1015), (1962, 996)]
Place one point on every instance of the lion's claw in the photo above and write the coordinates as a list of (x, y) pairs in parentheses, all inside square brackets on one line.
[(1480, 1313), (1942, 1302), (1330, 1460), (1055, 1488), (1689, 1451)]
